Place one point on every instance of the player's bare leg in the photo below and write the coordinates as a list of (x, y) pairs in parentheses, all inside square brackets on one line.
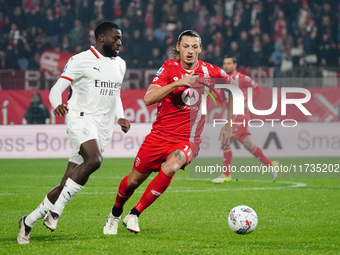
[(155, 188), (26, 223), (257, 152), (92, 156), (126, 188)]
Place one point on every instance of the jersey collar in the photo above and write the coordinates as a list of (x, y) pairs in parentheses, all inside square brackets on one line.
[(189, 71), (95, 52), (98, 54)]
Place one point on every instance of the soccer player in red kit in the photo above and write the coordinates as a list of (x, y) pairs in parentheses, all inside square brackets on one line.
[(175, 136), (240, 131)]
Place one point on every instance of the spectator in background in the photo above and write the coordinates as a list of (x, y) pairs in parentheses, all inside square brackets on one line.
[(81, 10), (279, 24), (256, 57), (51, 28), (7, 62), (4, 23), (65, 21), (170, 8), (209, 53), (66, 44), (34, 62), (160, 34), (33, 17), (37, 112), (327, 51), (228, 34), (156, 59), (18, 18), (135, 49), (148, 17), (234, 50), (188, 16), (149, 42), (245, 49), (229, 8), (230, 17), (309, 41), (267, 49), (77, 34), (127, 28)]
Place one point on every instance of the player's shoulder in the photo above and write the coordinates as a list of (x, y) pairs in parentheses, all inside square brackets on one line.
[(244, 76), (171, 63), (214, 71), (79, 56), (120, 60), (208, 65), (168, 67)]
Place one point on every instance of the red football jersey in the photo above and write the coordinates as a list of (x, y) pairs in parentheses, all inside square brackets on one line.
[(179, 116), (244, 82)]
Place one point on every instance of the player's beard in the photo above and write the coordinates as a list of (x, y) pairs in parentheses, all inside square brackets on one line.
[(110, 52)]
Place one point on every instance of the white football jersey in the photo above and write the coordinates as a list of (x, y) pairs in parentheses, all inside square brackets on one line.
[(96, 82)]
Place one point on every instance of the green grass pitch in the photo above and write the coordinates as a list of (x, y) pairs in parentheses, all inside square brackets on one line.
[(296, 216)]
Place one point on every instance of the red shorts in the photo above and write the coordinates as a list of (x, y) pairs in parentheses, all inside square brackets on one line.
[(155, 151), (240, 131)]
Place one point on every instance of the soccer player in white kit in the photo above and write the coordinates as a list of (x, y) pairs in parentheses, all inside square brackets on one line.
[(94, 104)]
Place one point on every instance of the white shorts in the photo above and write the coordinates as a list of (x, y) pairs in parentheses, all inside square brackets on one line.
[(81, 129)]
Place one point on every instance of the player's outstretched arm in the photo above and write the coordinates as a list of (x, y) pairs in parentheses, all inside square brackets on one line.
[(227, 129), (156, 93)]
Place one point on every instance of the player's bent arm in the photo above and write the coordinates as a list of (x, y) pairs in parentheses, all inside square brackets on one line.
[(156, 93), (56, 99)]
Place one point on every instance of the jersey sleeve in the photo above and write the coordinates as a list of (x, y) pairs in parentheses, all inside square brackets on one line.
[(162, 76), (73, 69)]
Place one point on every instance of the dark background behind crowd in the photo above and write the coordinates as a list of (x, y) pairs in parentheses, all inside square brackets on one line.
[(258, 32)]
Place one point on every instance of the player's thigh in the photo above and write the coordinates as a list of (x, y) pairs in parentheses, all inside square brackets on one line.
[(179, 156), (85, 137), (90, 150), (150, 156), (174, 162)]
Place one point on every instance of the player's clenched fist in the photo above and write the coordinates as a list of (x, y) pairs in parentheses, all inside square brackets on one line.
[(125, 124), (61, 110)]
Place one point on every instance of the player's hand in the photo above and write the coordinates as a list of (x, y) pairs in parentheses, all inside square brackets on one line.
[(125, 124), (187, 80), (225, 135), (61, 110)]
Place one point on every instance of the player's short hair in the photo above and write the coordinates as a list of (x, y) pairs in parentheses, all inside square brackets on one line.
[(191, 33), (232, 57), (104, 27)]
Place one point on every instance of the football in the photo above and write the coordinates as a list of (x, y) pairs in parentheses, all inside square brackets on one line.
[(242, 219)]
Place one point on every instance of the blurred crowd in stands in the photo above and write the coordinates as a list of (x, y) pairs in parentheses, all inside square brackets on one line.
[(268, 33)]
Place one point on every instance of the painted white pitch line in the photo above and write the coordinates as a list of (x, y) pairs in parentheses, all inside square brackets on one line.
[(293, 185)]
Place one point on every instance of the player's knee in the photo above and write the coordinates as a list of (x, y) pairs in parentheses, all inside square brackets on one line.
[(95, 162), (249, 147), (171, 169), (133, 183)]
